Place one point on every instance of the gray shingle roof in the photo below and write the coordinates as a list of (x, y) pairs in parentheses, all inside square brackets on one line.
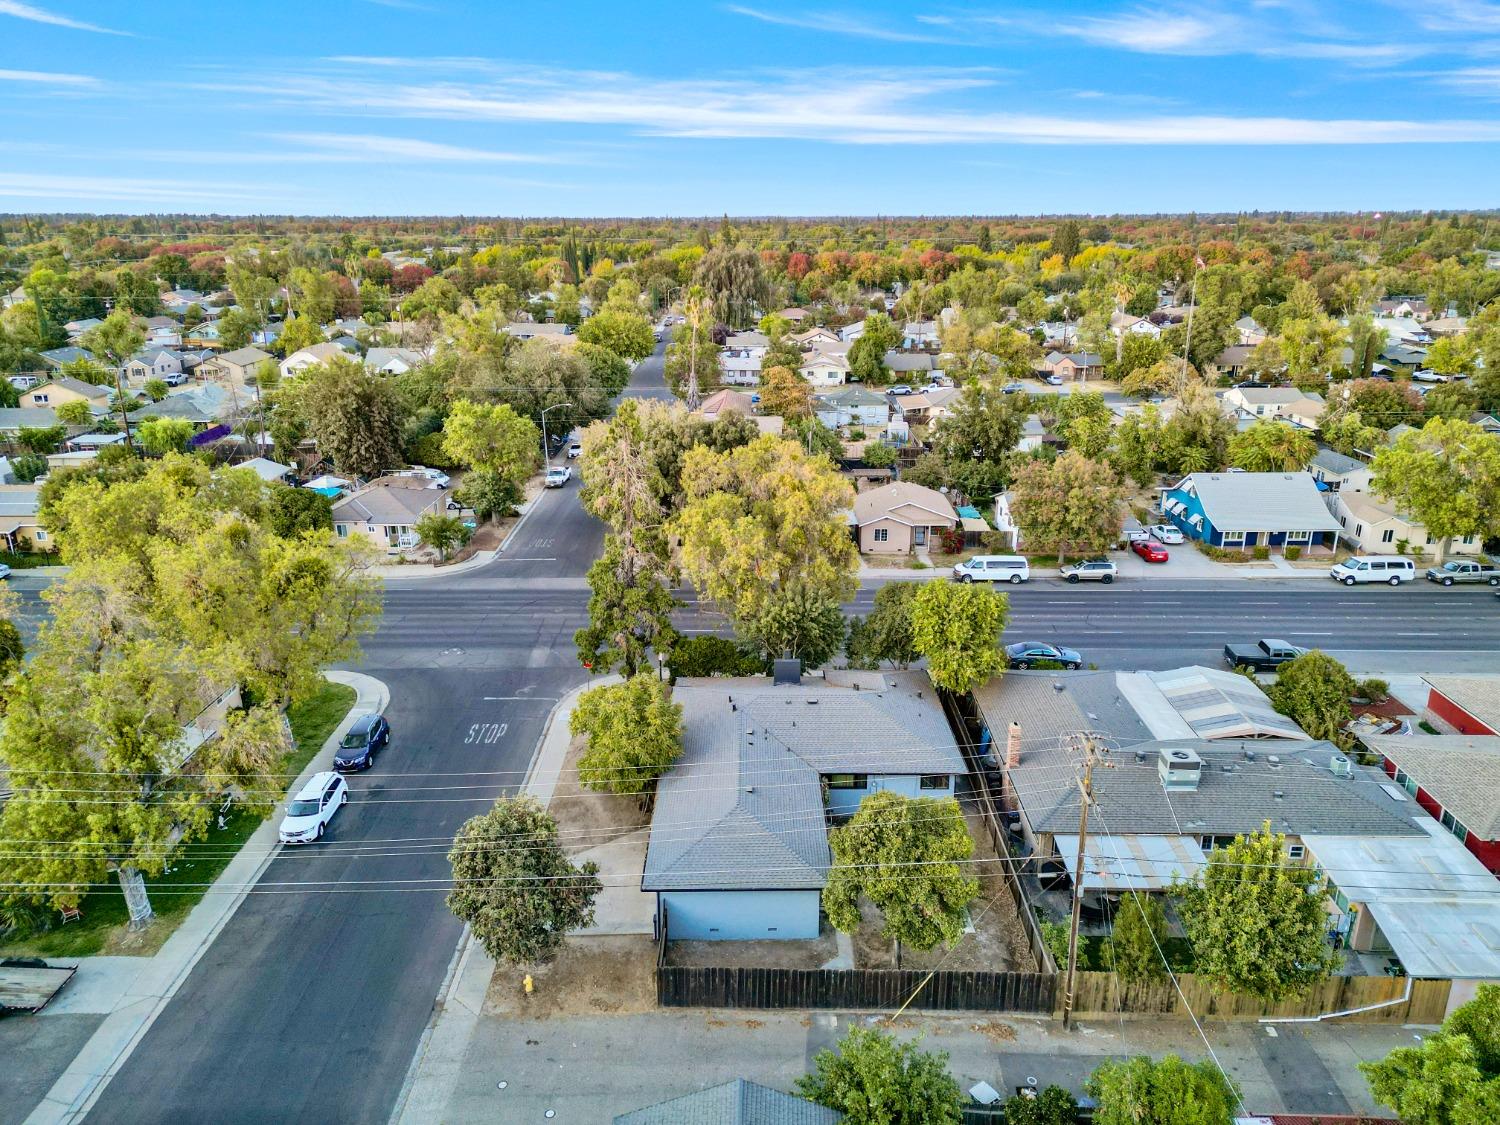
[(734, 1103), (1086, 701), (1332, 461), (1461, 772), (1478, 695), (13, 418), (388, 504), (244, 357), (1261, 501)]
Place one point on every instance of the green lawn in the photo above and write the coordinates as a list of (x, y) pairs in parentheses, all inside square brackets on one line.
[(102, 928)]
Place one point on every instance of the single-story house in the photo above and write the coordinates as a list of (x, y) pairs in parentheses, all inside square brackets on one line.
[(238, 365), (1231, 361), (1250, 331), (1250, 510), (1470, 704), (203, 406), (63, 389), (76, 328), (725, 401), (852, 331), (1032, 434), (387, 510), (206, 333), (853, 406), (1413, 308), (14, 419), (1274, 402), (19, 524), (1121, 322), (1074, 367), (825, 369), (156, 363), (919, 334), (795, 314), (266, 469), (739, 370), (178, 300), (751, 343), (897, 518), (904, 365), (58, 358), (393, 361), (310, 356), (821, 339), (739, 838), (1456, 778), (530, 330), (733, 1103), (1375, 527), (926, 407), (1340, 473)]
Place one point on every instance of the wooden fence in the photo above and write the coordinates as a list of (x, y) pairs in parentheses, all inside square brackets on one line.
[(683, 986), (1101, 995)]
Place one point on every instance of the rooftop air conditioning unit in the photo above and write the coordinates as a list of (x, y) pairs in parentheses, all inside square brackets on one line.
[(1179, 769), (1341, 766)]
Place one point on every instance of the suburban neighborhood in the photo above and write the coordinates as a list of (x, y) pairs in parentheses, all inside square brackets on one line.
[(979, 604)]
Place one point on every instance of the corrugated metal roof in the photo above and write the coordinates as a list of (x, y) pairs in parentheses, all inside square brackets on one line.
[(1132, 863)]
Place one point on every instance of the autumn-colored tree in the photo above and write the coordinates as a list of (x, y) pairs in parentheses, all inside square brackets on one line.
[(785, 393)]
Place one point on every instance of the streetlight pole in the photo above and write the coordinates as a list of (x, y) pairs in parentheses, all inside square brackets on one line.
[(547, 449)]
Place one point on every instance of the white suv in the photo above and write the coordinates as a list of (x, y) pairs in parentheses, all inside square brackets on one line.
[(308, 813)]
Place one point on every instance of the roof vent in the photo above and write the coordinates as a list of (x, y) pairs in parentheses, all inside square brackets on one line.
[(1249, 755), (1227, 767), (810, 703), (749, 789), (1278, 794), (1340, 765), (1273, 761), (786, 671), (1140, 756)]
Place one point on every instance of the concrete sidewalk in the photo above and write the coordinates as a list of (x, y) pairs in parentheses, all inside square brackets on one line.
[(131, 992), (477, 561), (435, 1068)]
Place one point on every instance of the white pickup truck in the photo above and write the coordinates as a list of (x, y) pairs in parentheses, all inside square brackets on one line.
[(1463, 570)]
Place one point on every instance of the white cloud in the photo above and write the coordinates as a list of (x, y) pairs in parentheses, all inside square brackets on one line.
[(47, 78), (836, 23), (1456, 15), (1474, 79), (107, 189), (358, 146), (37, 15), (831, 105)]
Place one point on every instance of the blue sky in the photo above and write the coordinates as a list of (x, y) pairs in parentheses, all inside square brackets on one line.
[(753, 107)]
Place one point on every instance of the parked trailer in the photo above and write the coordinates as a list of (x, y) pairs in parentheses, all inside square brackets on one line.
[(28, 984)]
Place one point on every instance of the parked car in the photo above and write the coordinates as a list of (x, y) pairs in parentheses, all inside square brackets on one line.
[(575, 450), (368, 736), (1165, 533), (1149, 551), (4, 571), (993, 568), (310, 811), (899, 389), (436, 478), (1454, 570), (1091, 570), (1053, 380), (175, 379), (1012, 388), (1373, 568), (1024, 654), (559, 475), (1263, 656)]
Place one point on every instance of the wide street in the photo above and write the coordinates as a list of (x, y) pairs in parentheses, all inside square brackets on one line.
[(311, 1002)]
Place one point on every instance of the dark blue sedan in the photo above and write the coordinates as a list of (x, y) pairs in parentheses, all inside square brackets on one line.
[(1024, 654)]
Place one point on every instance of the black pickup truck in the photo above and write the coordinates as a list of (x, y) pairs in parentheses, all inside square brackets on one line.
[(1263, 656)]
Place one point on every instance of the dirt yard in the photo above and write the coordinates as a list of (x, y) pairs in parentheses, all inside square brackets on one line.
[(585, 818), (591, 976), (756, 954)]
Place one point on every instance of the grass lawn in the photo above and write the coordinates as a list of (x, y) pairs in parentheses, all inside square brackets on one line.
[(103, 929)]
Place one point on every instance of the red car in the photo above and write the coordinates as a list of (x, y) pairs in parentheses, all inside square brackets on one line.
[(1149, 550)]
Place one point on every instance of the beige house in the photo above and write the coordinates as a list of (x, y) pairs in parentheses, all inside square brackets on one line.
[(237, 365), (310, 356), (387, 510), (1301, 408), (65, 389), (723, 402), (19, 526), (1376, 527), (897, 518)]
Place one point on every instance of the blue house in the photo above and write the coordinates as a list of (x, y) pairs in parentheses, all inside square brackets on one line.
[(1251, 510), (739, 836)]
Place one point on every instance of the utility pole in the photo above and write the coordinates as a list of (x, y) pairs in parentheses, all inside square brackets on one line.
[(1086, 787), (695, 318)]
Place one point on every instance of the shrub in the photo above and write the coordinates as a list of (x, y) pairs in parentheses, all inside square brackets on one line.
[(953, 540), (708, 655), (1262, 552), (1376, 691), (28, 466), (1292, 553)]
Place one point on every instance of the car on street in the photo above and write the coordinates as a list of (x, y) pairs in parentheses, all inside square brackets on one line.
[(899, 389), (575, 450), (1363, 569), (559, 475), (1012, 388), (1165, 533), (357, 749), (1090, 570), (4, 571), (993, 568), (1151, 552), (1451, 572), (308, 813), (1025, 654), (1265, 655)]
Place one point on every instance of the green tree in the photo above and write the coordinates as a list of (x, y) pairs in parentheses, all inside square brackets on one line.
[(908, 856), (630, 608), (115, 340), (623, 331), (156, 389), (634, 734), (28, 466), (874, 1080), (708, 655), (976, 440), (488, 493), (514, 884), (867, 354), (957, 627), (75, 413), (1066, 241), (734, 284), (786, 393), (236, 327), (799, 625), (441, 532), (1139, 937), (606, 368), (1314, 691), (1447, 475), (1451, 400), (41, 439), (1256, 920), (693, 350), (491, 437), (878, 455), (1053, 1106), (291, 511), (1072, 505), (1140, 1091), (352, 413), (165, 435), (886, 636), (1453, 355), (1348, 434), (1272, 447), (299, 332), (1453, 1078)]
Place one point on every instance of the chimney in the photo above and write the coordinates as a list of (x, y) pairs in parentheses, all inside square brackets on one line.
[(1013, 746)]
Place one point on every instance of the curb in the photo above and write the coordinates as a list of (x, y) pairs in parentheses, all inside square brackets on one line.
[(469, 972), (76, 1090), (424, 571)]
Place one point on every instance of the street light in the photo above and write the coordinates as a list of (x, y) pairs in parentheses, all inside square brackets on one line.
[(547, 449)]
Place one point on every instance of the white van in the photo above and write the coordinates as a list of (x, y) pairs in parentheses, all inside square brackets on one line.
[(1374, 568), (992, 568)]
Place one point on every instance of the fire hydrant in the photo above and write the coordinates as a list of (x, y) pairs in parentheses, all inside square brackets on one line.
[(528, 984)]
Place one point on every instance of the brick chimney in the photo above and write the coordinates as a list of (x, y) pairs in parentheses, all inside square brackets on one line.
[(1013, 746)]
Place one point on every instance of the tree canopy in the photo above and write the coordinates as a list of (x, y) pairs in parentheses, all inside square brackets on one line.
[(1453, 1078), (1168, 1091), (874, 1080), (634, 734), (957, 627)]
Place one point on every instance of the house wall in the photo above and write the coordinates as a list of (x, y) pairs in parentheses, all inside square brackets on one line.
[(740, 915), (1450, 712), (845, 802), (898, 541)]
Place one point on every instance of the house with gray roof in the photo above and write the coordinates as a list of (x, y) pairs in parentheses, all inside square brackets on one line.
[(387, 510), (203, 406), (733, 1103), (1339, 473), (853, 406), (1245, 510), (58, 358), (739, 840), (1456, 778)]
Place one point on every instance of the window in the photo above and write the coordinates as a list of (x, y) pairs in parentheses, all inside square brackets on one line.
[(934, 781), (1295, 851), (1454, 825), (1235, 537), (882, 534), (39, 535), (848, 781), (39, 398), (1299, 537), (341, 530), (1359, 529), (1388, 535)]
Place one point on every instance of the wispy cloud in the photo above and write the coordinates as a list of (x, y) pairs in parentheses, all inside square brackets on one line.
[(1474, 80), (1456, 15), (840, 105), (37, 15), (837, 23), (361, 146), (110, 189), (48, 78)]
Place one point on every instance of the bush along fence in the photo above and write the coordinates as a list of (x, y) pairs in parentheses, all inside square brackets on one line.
[(1105, 994)]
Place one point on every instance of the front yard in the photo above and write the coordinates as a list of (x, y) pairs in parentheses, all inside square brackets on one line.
[(103, 928)]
